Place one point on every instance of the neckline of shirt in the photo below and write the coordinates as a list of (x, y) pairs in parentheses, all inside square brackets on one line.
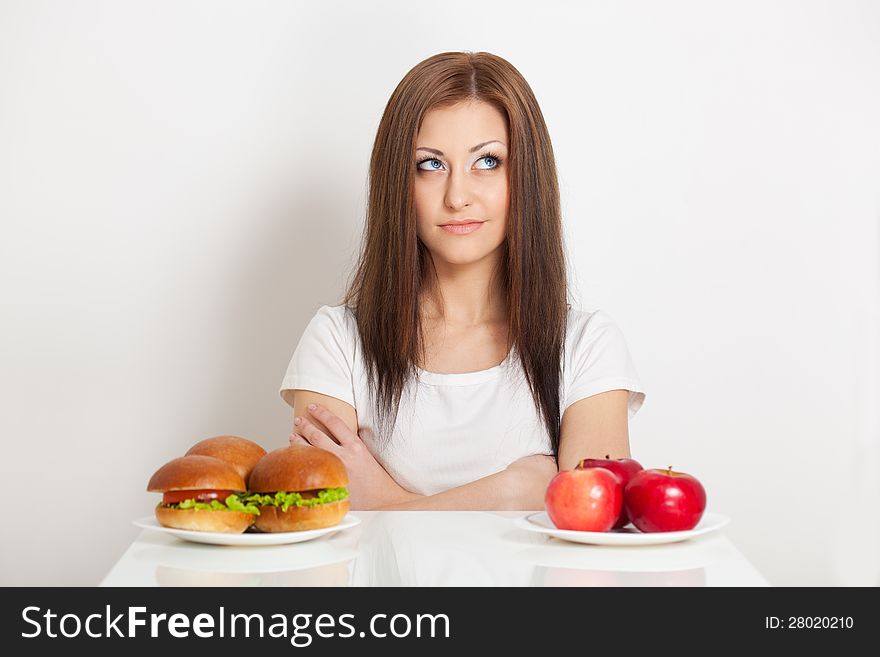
[(463, 378)]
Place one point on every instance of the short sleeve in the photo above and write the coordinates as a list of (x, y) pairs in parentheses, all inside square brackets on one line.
[(598, 360), (322, 360)]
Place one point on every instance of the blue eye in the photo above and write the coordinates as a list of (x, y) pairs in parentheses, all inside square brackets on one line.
[(492, 158), (434, 162)]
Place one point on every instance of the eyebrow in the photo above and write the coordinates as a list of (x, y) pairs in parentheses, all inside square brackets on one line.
[(473, 150)]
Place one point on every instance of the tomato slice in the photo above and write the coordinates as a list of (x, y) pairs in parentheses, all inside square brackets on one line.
[(175, 496)]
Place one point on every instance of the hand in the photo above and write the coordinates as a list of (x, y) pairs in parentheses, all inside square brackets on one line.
[(532, 475), (539, 465), (370, 486)]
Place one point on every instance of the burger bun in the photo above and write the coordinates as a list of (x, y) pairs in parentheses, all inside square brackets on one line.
[(196, 473), (301, 518), (242, 453), (298, 468), (204, 520)]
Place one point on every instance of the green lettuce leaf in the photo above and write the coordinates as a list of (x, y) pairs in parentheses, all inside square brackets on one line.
[(232, 503), (284, 500)]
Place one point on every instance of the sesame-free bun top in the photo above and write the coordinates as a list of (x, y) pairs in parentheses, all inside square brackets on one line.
[(240, 452), (298, 468), (196, 472)]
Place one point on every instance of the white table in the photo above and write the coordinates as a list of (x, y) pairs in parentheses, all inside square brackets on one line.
[(433, 548)]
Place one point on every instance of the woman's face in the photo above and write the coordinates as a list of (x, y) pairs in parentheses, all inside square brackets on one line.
[(461, 173)]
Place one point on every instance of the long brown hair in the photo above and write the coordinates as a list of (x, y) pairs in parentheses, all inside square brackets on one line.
[(384, 291)]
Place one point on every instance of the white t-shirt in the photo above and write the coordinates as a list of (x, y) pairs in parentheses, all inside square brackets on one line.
[(453, 429)]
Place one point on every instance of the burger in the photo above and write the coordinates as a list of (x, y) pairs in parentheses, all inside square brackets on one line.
[(240, 452), (298, 488), (202, 493)]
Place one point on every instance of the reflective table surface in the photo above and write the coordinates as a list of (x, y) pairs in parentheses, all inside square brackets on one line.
[(433, 548)]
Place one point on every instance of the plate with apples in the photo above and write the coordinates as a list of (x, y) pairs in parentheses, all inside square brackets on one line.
[(617, 502)]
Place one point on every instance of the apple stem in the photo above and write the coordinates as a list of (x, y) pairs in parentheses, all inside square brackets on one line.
[(669, 470), (607, 456)]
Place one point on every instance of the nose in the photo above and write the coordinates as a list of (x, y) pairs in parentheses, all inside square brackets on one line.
[(458, 192)]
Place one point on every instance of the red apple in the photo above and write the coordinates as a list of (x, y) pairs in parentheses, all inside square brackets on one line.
[(584, 500), (624, 468), (664, 500)]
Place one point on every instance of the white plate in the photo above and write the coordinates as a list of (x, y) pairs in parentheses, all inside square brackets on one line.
[(247, 538), (541, 523)]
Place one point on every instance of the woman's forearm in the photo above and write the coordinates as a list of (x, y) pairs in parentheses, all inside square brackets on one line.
[(518, 488)]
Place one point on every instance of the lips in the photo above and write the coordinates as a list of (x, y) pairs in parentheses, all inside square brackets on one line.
[(462, 228), (462, 222)]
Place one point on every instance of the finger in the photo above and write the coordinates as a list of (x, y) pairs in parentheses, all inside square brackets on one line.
[(334, 424), (296, 439), (316, 437)]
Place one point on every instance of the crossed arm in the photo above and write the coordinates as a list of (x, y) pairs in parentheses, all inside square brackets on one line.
[(591, 427)]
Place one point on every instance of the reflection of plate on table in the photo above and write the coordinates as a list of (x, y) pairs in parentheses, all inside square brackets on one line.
[(682, 555), (164, 551), (181, 567), (541, 524), (246, 539)]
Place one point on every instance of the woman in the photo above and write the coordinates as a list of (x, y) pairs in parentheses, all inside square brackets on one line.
[(441, 378)]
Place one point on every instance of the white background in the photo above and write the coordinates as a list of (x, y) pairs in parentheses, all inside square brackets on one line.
[(182, 185)]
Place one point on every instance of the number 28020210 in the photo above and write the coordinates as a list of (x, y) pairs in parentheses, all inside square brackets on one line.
[(808, 622)]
